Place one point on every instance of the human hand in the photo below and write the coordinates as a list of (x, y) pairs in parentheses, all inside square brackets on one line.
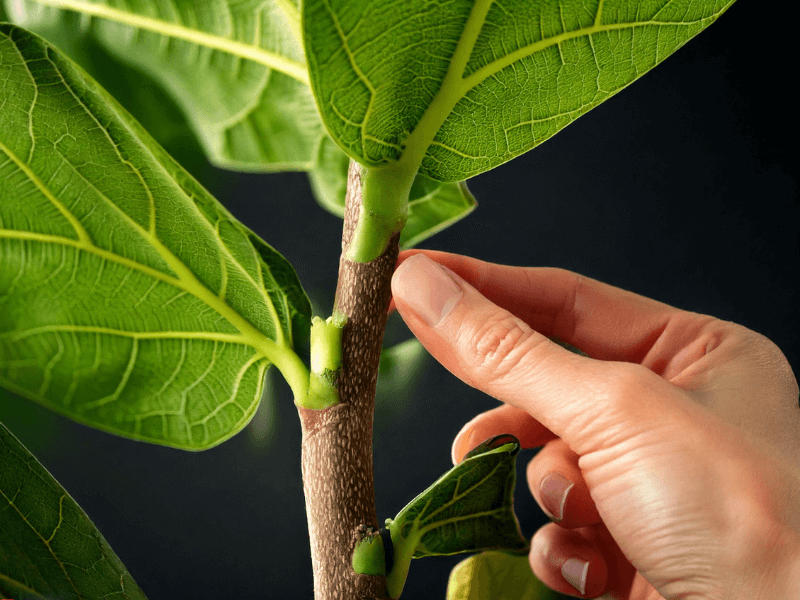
[(670, 458)]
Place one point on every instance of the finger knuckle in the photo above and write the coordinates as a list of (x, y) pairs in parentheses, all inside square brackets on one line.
[(762, 353), (500, 343)]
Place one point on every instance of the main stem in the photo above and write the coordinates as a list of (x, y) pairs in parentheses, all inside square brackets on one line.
[(337, 441)]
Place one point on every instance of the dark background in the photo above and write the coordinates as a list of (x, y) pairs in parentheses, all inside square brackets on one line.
[(681, 188)]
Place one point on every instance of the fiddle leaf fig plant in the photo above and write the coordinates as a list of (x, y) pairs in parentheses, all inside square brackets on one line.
[(132, 301)]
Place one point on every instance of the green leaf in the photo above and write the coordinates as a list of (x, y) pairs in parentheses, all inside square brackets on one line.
[(434, 206), (235, 68), (498, 576), (461, 87), (49, 548), (469, 508), (130, 299), (136, 91), (328, 177)]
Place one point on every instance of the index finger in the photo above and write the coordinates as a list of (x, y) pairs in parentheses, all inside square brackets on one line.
[(606, 322)]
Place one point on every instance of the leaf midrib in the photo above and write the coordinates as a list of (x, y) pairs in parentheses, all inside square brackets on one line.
[(257, 54), (455, 86), (279, 351), (186, 280)]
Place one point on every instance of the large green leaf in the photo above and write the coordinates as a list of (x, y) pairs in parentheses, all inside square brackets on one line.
[(48, 546), (130, 299), (498, 576), (464, 86), (469, 508)]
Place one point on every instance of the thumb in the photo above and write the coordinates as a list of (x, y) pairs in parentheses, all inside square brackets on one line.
[(583, 401)]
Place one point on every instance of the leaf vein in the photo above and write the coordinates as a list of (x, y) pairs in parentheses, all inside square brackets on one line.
[(262, 56)]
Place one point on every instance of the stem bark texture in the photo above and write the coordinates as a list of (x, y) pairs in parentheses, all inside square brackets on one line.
[(337, 441)]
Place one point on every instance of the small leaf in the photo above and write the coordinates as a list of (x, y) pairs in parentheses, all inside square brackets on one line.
[(434, 206), (329, 177), (399, 363), (498, 576), (469, 508), (461, 87), (130, 299), (48, 546)]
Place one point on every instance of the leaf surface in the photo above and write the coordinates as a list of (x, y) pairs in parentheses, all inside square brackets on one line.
[(130, 299), (434, 206), (468, 508), (49, 548), (498, 576), (464, 86), (136, 91), (235, 68)]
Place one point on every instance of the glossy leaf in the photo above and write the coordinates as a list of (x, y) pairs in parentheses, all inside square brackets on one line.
[(130, 299), (498, 576), (48, 546), (464, 86)]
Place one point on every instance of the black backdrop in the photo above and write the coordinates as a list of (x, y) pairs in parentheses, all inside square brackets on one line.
[(681, 188)]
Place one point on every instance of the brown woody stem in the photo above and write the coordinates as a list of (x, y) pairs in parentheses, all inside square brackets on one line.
[(337, 441)]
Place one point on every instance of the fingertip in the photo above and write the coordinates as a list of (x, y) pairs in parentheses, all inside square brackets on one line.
[(462, 443), (496, 421), (567, 562)]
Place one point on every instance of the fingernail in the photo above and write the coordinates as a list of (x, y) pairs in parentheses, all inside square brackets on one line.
[(427, 288), (575, 571), (554, 490), (464, 445)]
